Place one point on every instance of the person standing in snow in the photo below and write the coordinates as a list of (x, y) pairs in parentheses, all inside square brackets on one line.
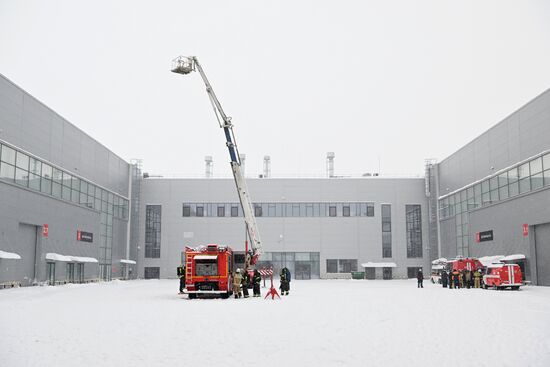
[(285, 281), (456, 279), (444, 279), (477, 278), (237, 280), (181, 275), (467, 278), (256, 280), (245, 282), (420, 278), (450, 275)]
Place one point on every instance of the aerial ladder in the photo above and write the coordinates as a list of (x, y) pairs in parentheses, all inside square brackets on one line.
[(185, 65)]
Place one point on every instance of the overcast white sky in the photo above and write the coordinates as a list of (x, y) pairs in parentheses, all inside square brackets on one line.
[(393, 82)]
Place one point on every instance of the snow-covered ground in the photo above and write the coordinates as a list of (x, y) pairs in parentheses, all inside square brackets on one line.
[(321, 323)]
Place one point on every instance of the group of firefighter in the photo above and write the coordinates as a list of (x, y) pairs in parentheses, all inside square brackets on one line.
[(241, 281), (464, 278)]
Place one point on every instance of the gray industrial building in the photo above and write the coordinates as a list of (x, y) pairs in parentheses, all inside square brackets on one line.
[(73, 211), (63, 198), (493, 193), (316, 227)]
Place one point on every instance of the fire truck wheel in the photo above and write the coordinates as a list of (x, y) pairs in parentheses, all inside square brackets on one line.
[(515, 288), (192, 296), (225, 295), (485, 286)]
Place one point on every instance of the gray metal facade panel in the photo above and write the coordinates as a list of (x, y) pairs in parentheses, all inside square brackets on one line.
[(341, 238), (521, 135), (31, 126), (506, 219), (64, 219)]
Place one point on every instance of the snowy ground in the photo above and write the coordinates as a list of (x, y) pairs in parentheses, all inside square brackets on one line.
[(321, 323)]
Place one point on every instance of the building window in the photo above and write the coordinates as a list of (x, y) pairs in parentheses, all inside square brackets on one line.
[(347, 266), (332, 266), (221, 211), (234, 211), (346, 211), (386, 273), (186, 210), (413, 217), (153, 214), (257, 210), (341, 265), (152, 272), (386, 230), (370, 210), (200, 211), (332, 211)]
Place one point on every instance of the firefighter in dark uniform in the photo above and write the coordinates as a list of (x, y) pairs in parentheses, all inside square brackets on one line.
[(245, 282), (181, 275), (420, 278), (285, 281), (256, 280)]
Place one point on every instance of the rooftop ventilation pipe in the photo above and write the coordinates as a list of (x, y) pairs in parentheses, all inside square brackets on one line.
[(330, 164), (209, 166), (267, 166)]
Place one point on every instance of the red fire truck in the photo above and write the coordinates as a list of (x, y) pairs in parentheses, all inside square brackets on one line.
[(462, 263), (500, 276), (208, 271)]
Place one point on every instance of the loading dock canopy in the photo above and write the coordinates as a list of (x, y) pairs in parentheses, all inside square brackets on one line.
[(9, 255), (379, 265), (78, 259), (124, 261), (488, 260), (513, 257), (206, 257)]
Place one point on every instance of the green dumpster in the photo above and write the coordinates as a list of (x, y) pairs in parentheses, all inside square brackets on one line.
[(357, 275)]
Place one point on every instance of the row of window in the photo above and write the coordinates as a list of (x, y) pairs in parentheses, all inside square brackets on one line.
[(153, 218), (386, 230), (413, 227), (30, 172), (525, 177), (341, 265), (518, 180), (280, 210)]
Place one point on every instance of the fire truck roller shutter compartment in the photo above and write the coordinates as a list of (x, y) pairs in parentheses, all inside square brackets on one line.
[(206, 265)]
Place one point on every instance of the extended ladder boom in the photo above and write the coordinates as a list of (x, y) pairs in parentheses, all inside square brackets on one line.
[(184, 65)]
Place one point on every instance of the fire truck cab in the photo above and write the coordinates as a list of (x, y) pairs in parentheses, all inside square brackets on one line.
[(208, 271), (500, 276)]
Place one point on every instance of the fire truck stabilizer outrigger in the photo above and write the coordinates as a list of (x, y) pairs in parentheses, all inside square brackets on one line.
[(221, 282)]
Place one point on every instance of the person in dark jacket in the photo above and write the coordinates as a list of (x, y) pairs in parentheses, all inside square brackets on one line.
[(256, 280), (456, 279), (285, 281), (467, 278), (245, 282), (181, 275), (420, 278), (450, 275), (444, 279)]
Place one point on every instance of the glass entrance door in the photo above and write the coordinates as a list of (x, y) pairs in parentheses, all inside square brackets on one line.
[(302, 271), (51, 273), (70, 272), (80, 272)]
